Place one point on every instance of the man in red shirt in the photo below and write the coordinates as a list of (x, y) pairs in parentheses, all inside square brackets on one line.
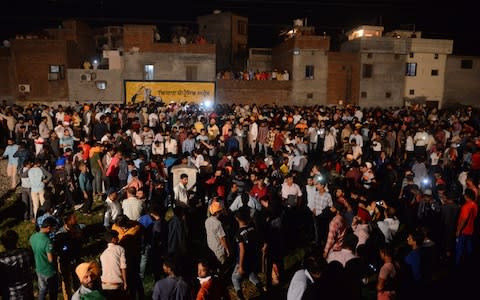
[(465, 226), (86, 149)]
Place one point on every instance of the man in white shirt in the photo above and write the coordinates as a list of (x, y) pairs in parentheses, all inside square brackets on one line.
[(132, 207), (114, 267), (153, 120), (171, 145), (113, 209), (290, 190), (313, 137), (180, 191), (420, 139), (358, 137), (320, 201), (253, 136), (60, 115), (314, 266)]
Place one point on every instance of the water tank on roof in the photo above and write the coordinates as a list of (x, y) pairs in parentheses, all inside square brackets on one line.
[(298, 23), (216, 12)]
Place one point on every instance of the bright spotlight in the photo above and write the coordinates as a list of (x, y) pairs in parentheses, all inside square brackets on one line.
[(208, 104)]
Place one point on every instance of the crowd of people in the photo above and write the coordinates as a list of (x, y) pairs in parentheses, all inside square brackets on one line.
[(254, 75), (204, 198)]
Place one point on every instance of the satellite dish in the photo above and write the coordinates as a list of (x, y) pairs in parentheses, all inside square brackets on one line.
[(6, 43), (157, 36), (183, 40)]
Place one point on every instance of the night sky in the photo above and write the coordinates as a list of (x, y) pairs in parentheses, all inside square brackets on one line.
[(267, 18)]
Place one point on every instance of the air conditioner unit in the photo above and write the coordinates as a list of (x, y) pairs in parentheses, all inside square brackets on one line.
[(24, 88), (86, 77)]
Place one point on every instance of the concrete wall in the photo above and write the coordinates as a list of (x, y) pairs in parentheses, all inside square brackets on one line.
[(282, 56), (217, 29), (429, 54), (260, 59), (239, 43), (387, 57), (294, 55), (424, 84), (461, 85), (343, 74), (169, 66), (87, 91), (387, 77), (310, 91), (253, 91)]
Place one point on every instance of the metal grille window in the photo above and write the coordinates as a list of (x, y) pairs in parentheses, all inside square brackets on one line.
[(411, 69), (149, 71), (309, 72)]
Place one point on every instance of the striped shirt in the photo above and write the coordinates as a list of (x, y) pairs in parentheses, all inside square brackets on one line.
[(16, 270)]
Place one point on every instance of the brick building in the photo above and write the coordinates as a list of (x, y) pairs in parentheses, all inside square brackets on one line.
[(38, 64)]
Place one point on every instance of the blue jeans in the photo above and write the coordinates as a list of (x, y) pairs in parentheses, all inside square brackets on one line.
[(237, 278), (47, 284), (464, 247)]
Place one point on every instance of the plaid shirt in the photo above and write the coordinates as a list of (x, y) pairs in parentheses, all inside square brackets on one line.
[(336, 232), (16, 269)]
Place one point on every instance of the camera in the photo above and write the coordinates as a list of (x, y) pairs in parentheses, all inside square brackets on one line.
[(379, 202)]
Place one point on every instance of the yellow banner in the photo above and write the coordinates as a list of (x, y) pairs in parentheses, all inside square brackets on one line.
[(167, 91)]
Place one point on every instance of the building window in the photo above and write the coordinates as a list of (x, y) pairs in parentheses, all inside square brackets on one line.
[(411, 54), (367, 71), (309, 95), (242, 27), (435, 56), (363, 94), (411, 92), (101, 84), (369, 55), (434, 72), (388, 95), (397, 56), (411, 69), (309, 72), (56, 72), (149, 71), (191, 73), (466, 64)]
